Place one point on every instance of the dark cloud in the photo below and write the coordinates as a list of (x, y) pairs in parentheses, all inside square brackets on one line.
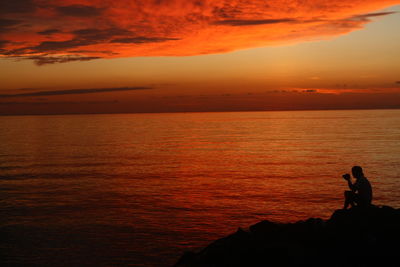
[(310, 91), (142, 40), (93, 34), (49, 32), (6, 24), (79, 11), (398, 82), (44, 59), (366, 17), (41, 60), (15, 52), (3, 43), (46, 47), (85, 37), (51, 46), (105, 52), (378, 14), (240, 22), (26, 89), (56, 102), (74, 92), (16, 6), (55, 46)]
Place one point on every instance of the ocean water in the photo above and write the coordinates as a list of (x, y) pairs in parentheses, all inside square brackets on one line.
[(140, 189)]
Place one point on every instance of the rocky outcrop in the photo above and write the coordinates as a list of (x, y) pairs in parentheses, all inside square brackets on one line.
[(355, 237)]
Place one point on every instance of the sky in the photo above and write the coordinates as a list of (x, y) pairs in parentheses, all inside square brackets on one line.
[(103, 56)]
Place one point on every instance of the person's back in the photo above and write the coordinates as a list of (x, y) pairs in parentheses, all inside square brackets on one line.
[(364, 191)]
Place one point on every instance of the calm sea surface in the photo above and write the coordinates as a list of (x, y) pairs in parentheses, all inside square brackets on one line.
[(140, 189)]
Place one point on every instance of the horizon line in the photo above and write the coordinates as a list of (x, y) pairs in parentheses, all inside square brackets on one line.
[(211, 111)]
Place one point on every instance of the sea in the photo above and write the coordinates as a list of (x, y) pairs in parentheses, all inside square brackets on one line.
[(141, 189)]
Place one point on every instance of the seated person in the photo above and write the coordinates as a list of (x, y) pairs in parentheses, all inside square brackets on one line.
[(361, 191)]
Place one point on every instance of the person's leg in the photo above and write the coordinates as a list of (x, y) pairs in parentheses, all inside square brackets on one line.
[(348, 199), (362, 203)]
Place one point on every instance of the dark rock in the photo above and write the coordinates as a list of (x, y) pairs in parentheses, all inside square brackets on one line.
[(187, 258), (226, 251), (354, 237), (264, 228)]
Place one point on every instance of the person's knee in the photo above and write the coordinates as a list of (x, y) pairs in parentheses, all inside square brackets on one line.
[(349, 196)]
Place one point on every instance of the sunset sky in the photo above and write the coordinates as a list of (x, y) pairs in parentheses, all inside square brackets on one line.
[(103, 56)]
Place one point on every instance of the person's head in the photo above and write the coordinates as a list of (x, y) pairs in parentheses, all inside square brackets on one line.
[(357, 172)]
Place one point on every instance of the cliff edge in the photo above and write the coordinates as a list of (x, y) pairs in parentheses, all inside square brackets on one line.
[(354, 237)]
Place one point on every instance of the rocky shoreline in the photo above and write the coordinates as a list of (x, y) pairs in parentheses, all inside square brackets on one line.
[(354, 237)]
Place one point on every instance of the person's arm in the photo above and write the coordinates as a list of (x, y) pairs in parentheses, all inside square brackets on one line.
[(351, 185)]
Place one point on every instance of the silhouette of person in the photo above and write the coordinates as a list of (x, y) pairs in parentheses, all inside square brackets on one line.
[(361, 191)]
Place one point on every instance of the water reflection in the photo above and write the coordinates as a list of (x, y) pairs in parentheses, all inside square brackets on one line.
[(138, 189)]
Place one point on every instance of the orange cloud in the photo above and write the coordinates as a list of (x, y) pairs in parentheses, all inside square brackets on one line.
[(70, 30)]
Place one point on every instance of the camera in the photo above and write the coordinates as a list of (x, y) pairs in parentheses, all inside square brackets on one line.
[(346, 176)]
